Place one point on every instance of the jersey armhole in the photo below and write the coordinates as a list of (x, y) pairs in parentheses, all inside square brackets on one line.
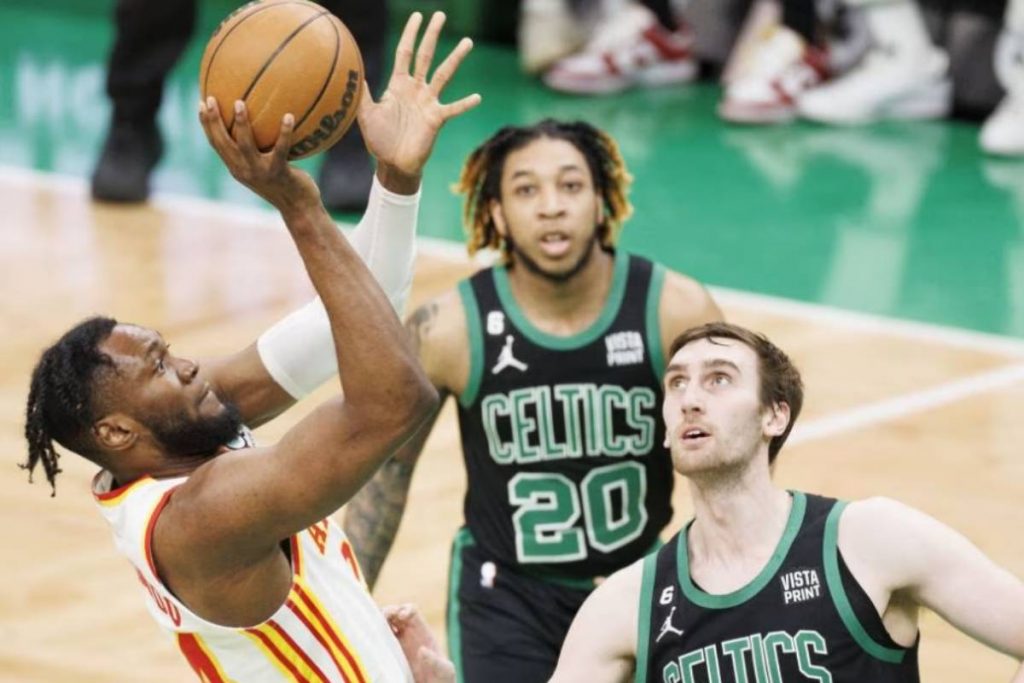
[(834, 580), (656, 351), (643, 631), (147, 542), (476, 344)]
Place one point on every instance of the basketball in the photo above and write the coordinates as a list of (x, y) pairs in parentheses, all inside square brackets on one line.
[(285, 56)]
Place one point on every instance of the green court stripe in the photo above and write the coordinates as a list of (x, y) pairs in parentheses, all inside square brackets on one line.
[(737, 597), (654, 347), (462, 539), (476, 344), (643, 631), (597, 328), (834, 580)]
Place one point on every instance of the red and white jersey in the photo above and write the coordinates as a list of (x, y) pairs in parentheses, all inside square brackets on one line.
[(329, 630)]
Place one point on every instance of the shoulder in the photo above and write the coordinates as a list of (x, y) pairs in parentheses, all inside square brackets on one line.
[(613, 606), (601, 644), (684, 303), (625, 582), (881, 516), (616, 599), (872, 522), (890, 540), (439, 334)]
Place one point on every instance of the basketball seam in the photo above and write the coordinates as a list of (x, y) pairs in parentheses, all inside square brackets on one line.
[(209, 65), (273, 56), (327, 81)]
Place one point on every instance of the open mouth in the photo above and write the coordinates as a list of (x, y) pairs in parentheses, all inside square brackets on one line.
[(695, 435), (555, 244)]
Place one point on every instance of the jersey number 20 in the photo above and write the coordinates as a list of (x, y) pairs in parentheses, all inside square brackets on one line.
[(549, 507)]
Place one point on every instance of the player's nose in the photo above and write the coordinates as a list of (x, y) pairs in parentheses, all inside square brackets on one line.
[(550, 202), (692, 400), (187, 370)]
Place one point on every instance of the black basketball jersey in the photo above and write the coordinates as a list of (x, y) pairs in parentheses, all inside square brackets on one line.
[(562, 436), (803, 618)]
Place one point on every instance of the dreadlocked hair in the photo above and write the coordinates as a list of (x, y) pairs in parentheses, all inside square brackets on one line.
[(480, 180), (60, 401)]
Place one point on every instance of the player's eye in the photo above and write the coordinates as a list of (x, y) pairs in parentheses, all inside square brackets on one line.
[(572, 186), (525, 191), (676, 382), (720, 379)]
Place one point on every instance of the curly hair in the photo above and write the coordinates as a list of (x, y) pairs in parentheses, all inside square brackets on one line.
[(61, 400), (480, 180)]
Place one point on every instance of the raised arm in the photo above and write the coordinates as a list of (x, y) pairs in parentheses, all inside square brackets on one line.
[(601, 644), (438, 334), (235, 509), (296, 355), (908, 553)]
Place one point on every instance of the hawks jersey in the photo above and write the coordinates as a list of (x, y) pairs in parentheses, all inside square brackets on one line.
[(562, 436), (803, 618), (328, 630)]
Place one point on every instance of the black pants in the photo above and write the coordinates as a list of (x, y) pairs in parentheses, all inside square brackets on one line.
[(801, 16), (152, 35), (505, 626)]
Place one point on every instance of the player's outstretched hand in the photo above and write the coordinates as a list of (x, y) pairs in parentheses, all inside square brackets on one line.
[(400, 129), (268, 174), (425, 658)]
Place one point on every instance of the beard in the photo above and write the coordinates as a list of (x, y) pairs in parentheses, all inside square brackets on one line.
[(531, 265), (187, 437)]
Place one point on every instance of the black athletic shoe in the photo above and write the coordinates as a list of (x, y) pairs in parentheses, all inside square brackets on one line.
[(346, 175), (128, 157)]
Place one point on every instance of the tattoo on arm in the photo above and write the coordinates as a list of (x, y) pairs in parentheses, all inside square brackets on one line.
[(421, 322), (373, 515)]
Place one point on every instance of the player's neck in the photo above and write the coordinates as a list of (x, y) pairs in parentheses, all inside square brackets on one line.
[(157, 465), (737, 525), (564, 307)]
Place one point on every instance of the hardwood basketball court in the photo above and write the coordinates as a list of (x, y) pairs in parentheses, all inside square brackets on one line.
[(928, 415)]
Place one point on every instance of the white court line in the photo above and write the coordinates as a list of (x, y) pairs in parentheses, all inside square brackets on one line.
[(869, 323), (909, 404), (266, 218)]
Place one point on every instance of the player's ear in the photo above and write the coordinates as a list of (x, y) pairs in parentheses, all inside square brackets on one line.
[(776, 419), (115, 432), (599, 213), (498, 217)]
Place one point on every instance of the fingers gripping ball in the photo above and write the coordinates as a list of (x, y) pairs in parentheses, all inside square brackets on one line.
[(285, 56)]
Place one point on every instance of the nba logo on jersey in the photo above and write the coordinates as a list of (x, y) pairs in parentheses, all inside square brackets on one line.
[(495, 323)]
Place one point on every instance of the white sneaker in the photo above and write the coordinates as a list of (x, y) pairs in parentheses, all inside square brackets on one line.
[(1003, 132), (779, 70), (630, 48), (548, 30), (888, 84)]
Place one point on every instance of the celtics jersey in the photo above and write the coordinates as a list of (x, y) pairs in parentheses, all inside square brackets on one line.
[(562, 436), (803, 618)]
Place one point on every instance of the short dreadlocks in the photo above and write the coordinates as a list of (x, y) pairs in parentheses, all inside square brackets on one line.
[(480, 180), (61, 403)]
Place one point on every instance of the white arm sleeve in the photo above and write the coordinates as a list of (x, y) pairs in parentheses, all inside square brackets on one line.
[(298, 350)]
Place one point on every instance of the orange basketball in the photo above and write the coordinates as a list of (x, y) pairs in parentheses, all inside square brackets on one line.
[(285, 56)]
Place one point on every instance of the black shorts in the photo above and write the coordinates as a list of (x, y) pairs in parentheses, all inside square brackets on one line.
[(505, 626)]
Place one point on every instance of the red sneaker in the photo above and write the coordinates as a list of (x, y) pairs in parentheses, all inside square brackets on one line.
[(629, 49), (778, 70)]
